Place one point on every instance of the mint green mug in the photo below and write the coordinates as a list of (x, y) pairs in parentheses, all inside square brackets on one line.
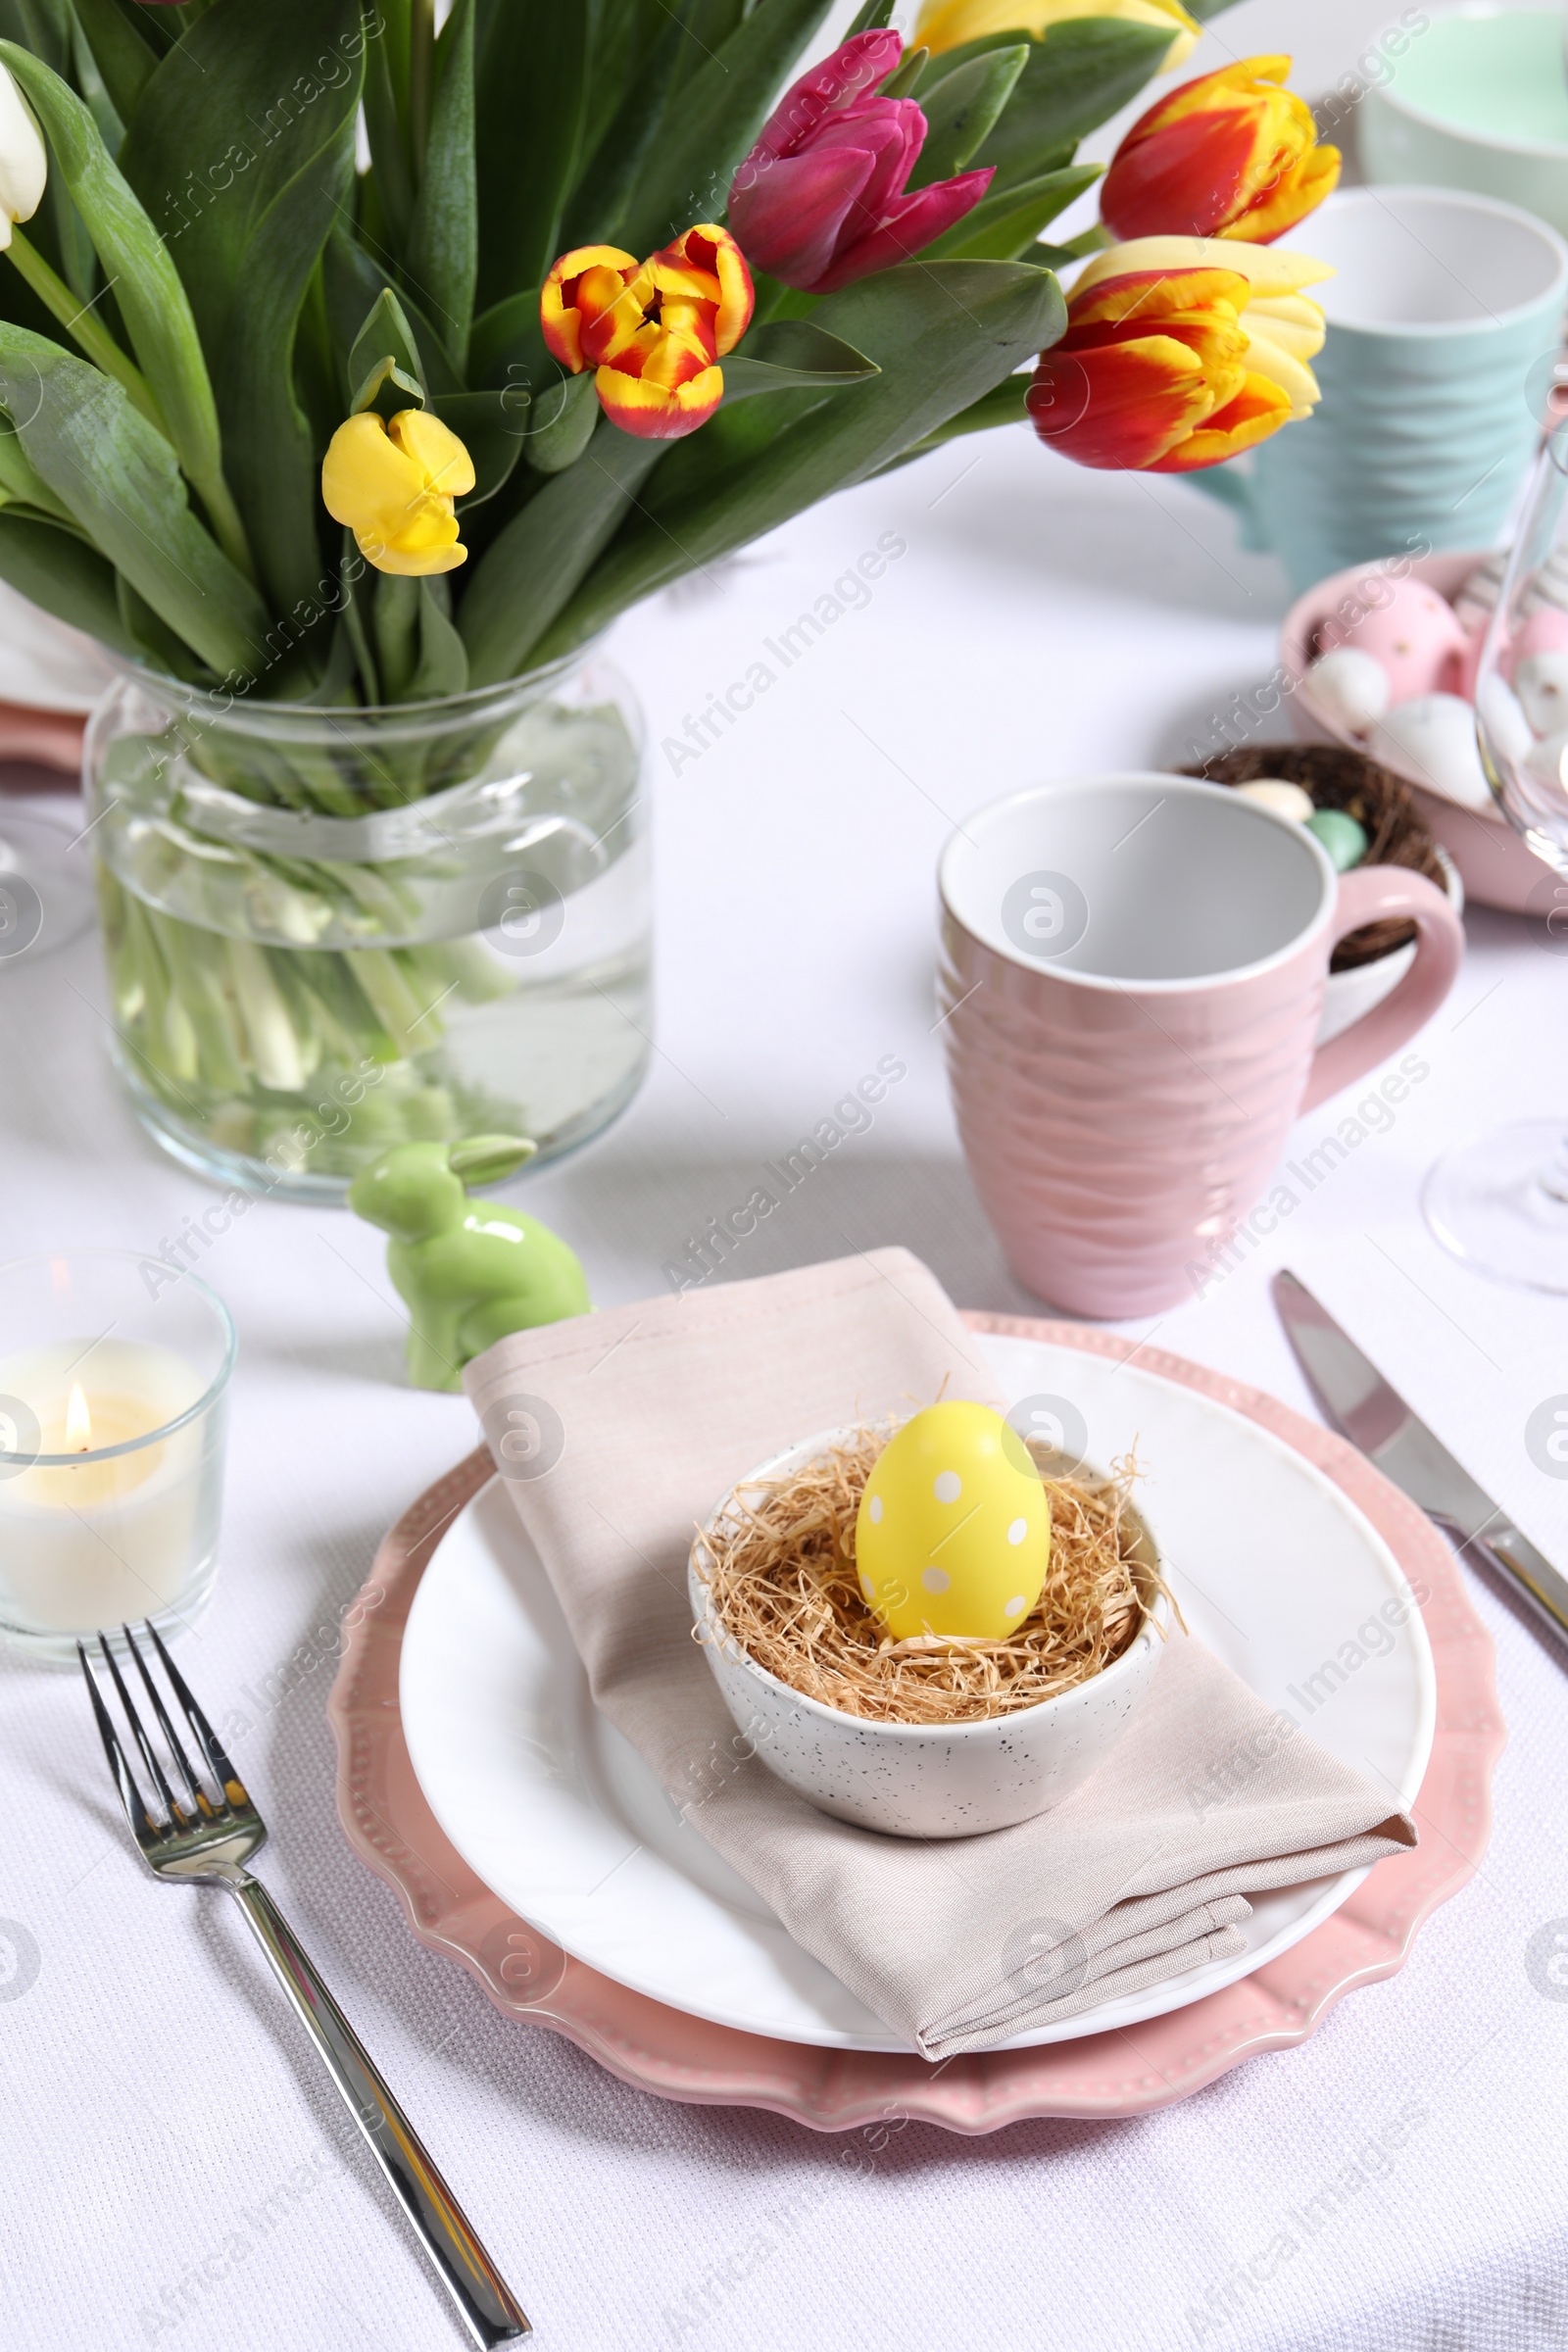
[(1441, 305)]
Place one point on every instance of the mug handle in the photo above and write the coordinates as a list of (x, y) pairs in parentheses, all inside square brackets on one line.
[(1367, 894), (1234, 489)]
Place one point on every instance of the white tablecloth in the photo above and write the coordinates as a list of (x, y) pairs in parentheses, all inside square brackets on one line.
[(176, 2171)]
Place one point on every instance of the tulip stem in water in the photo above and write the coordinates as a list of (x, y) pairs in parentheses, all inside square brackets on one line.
[(90, 332)]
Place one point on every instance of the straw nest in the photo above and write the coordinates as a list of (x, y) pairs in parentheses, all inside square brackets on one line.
[(779, 1563)]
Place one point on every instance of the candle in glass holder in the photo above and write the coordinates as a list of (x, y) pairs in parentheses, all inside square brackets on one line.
[(110, 1446)]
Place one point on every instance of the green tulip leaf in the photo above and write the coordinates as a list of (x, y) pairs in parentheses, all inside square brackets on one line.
[(951, 330), (792, 351), (906, 74), (352, 281), (708, 135), (147, 287), (58, 570), (443, 261), (537, 562), (386, 341), (125, 59), (562, 425), (871, 17), (1005, 403), (1075, 76), (1004, 227), (118, 478), (507, 344), (443, 667), (267, 98), (387, 76), (961, 109), (532, 99), (612, 173), (493, 428), (387, 390)]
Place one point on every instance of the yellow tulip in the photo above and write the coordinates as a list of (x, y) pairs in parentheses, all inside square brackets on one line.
[(948, 23), (394, 485)]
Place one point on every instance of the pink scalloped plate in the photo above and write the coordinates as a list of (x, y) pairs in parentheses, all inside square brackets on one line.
[(1128, 2072)]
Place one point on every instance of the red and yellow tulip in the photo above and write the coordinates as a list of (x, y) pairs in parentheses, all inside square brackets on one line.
[(652, 332), (394, 484), (1229, 154), (1179, 353)]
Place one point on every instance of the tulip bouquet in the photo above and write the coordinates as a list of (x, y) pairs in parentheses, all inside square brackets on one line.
[(352, 368)]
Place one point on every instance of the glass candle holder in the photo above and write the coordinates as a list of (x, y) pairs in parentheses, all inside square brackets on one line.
[(113, 1377)]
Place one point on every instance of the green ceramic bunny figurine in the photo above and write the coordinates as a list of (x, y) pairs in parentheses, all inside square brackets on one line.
[(470, 1270)]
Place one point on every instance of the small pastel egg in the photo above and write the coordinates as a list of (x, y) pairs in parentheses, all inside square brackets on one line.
[(1432, 740), (1541, 683), (1349, 687), (1547, 761), (1501, 715), (1413, 632), (1545, 631), (1285, 800), (954, 1531), (1343, 838)]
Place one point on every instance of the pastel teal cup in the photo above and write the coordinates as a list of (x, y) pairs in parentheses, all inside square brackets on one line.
[(1444, 315), (1478, 100)]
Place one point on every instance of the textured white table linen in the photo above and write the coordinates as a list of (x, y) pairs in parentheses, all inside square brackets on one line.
[(176, 2169)]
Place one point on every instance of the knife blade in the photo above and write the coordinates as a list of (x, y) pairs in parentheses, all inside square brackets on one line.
[(1360, 1404)]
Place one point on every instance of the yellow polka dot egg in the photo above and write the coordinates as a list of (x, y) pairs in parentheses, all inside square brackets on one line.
[(954, 1529)]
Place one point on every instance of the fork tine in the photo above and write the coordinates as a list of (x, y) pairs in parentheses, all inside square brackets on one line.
[(222, 1771), (149, 1754), (198, 1795), (142, 1824)]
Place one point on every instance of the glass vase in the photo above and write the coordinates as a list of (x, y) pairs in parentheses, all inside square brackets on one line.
[(331, 931)]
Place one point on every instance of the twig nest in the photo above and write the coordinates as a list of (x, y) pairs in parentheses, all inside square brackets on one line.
[(1381, 803)]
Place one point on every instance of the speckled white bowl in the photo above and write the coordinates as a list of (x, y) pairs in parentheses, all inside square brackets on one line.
[(910, 1779)]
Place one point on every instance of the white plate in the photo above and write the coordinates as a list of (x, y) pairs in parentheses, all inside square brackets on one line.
[(1275, 1569)]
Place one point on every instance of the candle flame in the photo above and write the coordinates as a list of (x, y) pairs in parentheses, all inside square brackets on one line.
[(79, 1422)]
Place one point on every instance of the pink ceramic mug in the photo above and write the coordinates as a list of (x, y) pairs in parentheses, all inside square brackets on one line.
[(1132, 978)]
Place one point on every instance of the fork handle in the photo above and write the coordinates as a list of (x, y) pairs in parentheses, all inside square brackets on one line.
[(490, 2311)]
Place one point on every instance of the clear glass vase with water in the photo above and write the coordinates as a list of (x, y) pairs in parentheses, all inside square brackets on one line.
[(331, 931)]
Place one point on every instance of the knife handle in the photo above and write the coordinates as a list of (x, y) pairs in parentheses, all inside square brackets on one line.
[(1543, 1592)]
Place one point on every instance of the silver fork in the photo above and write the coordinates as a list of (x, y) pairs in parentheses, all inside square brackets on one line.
[(213, 1838)]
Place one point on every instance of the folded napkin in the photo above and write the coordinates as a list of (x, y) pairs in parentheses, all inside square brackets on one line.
[(619, 1431)]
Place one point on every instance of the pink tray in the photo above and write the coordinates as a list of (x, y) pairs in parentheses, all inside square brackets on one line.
[(1127, 2072)]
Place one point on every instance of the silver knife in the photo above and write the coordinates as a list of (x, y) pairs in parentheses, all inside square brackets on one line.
[(1358, 1401)]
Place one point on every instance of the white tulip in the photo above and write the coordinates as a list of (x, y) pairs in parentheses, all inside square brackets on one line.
[(23, 159)]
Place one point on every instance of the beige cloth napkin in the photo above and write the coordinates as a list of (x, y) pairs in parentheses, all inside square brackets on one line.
[(619, 1431)]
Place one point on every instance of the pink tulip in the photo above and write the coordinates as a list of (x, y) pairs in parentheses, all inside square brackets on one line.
[(821, 198)]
